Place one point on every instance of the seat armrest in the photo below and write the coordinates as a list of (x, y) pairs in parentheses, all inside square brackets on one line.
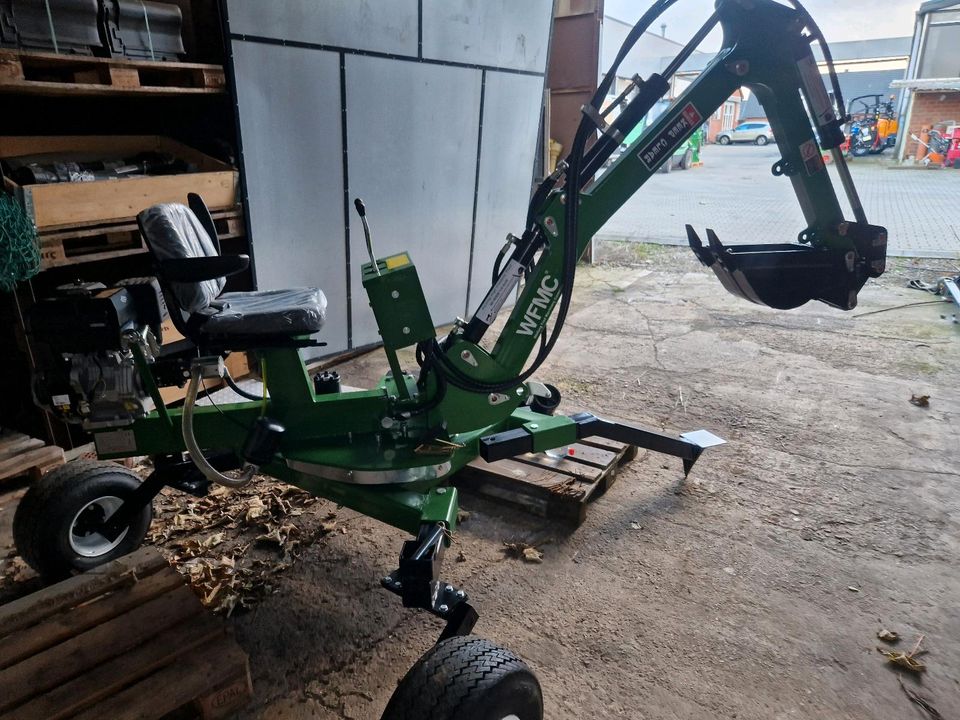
[(198, 269)]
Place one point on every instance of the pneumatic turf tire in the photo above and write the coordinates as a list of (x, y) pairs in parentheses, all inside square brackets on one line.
[(49, 526), (467, 678)]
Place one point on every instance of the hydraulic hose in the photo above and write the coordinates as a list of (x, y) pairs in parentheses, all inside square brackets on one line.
[(190, 440), (572, 186), (231, 383)]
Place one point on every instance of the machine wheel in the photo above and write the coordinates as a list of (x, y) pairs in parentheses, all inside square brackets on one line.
[(687, 161), (762, 140), (50, 525), (467, 678), (667, 166), (724, 139)]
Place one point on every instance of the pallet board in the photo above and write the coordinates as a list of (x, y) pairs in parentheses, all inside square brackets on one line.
[(70, 205), (69, 246), (553, 487), (126, 640), (22, 455), (51, 74)]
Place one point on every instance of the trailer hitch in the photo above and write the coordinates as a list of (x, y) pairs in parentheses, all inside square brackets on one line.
[(788, 275)]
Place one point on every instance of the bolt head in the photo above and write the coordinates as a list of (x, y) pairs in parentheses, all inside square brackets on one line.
[(406, 330), (441, 491), (461, 594), (448, 588), (395, 294), (442, 609), (386, 580)]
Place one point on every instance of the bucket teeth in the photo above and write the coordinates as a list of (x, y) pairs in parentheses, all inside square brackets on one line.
[(696, 244), (714, 241)]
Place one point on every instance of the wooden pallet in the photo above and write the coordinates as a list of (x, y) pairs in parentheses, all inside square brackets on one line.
[(21, 454), (51, 74), (126, 640), (556, 488), (72, 245)]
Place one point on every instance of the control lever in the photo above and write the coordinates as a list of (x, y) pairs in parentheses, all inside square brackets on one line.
[(362, 212)]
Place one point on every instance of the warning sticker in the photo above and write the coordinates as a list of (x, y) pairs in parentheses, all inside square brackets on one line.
[(669, 139), (812, 159)]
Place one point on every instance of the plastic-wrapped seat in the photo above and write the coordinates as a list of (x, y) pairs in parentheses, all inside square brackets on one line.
[(185, 248)]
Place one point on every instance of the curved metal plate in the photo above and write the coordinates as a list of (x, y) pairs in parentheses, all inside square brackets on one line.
[(393, 476)]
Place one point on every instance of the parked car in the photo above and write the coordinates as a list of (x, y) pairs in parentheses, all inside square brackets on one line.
[(754, 132)]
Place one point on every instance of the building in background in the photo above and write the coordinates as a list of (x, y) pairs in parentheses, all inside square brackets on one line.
[(931, 88), (590, 42), (864, 67)]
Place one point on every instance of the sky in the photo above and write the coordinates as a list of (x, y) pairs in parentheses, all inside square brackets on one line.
[(839, 19)]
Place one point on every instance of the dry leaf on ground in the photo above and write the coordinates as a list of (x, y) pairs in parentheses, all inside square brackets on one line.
[(523, 551)]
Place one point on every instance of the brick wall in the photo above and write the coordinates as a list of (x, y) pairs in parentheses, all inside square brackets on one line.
[(929, 109)]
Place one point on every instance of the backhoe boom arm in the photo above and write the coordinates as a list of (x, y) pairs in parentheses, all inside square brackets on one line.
[(766, 48)]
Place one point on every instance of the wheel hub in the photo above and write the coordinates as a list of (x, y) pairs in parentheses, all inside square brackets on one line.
[(85, 538)]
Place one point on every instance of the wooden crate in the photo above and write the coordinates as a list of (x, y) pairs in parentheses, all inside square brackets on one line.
[(43, 73), (21, 454), (68, 206), (126, 640), (103, 242), (556, 488)]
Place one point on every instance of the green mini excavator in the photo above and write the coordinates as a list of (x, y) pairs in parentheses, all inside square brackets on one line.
[(389, 451)]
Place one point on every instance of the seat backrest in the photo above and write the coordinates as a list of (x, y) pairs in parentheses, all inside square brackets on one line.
[(172, 230)]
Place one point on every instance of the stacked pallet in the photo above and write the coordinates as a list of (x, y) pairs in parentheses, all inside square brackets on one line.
[(21, 454), (51, 74), (557, 486), (126, 640), (71, 244)]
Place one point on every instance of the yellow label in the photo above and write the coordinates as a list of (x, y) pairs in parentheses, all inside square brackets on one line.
[(395, 261)]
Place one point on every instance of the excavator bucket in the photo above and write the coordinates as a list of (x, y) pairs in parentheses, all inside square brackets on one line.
[(786, 276)]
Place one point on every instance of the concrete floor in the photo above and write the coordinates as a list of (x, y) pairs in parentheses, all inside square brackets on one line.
[(735, 194), (727, 595), (754, 589)]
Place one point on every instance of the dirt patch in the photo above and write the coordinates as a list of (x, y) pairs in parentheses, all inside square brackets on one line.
[(754, 589)]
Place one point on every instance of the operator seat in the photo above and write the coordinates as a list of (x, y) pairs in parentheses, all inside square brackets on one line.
[(186, 252)]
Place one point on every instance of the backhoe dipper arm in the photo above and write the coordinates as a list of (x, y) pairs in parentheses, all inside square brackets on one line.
[(766, 49)]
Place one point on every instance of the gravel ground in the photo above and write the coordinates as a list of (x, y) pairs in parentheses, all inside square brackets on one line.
[(753, 589)]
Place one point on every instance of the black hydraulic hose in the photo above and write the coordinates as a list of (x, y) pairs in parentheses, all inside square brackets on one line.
[(827, 57), (239, 390), (573, 185), (574, 182), (426, 357)]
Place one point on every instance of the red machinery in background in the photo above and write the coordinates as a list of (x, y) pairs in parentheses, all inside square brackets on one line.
[(953, 154)]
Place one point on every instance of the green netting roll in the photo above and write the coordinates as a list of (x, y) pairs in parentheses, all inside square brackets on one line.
[(19, 249)]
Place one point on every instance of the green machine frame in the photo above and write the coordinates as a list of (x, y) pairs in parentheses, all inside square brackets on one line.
[(388, 451)]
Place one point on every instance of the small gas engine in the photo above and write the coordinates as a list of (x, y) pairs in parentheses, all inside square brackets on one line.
[(87, 339)]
